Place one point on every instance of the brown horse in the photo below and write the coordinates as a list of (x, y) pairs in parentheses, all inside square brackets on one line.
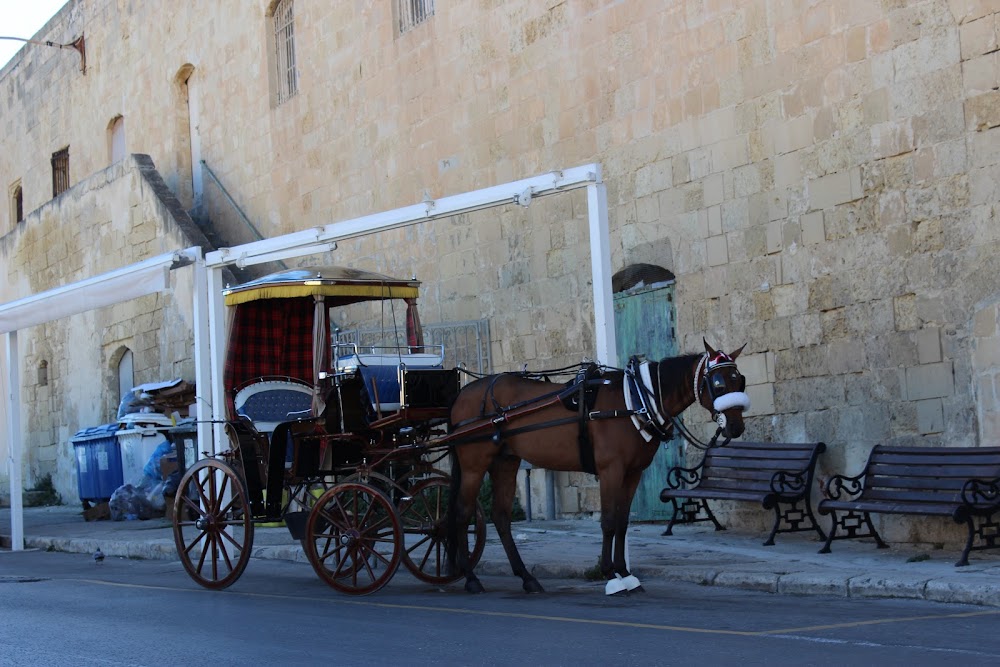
[(607, 422)]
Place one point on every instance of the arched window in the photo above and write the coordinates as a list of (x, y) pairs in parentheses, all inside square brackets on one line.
[(282, 38), (126, 379), (16, 203), (43, 373), (116, 139)]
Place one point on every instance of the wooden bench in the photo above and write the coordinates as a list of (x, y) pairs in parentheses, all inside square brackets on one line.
[(958, 482), (778, 475)]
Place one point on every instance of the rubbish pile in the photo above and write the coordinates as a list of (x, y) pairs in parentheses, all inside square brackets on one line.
[(149, 458)]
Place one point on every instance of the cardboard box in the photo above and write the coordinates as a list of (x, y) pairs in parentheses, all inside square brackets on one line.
[(168, 464)]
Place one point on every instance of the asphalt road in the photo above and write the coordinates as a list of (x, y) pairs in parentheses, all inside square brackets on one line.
[(63, 609)]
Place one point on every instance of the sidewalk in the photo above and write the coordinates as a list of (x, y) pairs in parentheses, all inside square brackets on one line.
[(565, 549)]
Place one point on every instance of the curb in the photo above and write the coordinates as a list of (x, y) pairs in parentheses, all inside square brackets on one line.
[(980, 590)]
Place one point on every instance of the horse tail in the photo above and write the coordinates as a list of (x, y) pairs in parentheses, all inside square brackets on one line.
[(451, 525)]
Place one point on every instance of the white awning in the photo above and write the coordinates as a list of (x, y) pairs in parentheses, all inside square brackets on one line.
[(146, 277), (130, 282)]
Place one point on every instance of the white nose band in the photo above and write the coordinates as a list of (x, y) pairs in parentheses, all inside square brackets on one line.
[(734, 399)]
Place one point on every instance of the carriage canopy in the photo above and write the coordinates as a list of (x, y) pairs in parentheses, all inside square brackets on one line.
[(280, 325)]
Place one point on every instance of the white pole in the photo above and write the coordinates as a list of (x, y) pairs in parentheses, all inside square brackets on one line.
[(217, 336), (14, 444), (202, 356), (600, 262)]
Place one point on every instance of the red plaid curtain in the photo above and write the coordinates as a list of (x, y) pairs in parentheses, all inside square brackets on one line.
[(269, 337)]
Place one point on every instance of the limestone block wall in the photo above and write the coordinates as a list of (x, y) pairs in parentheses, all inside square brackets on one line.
[(117, 217), (820, 177)]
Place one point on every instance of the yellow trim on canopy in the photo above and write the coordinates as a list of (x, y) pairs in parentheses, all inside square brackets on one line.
[(359, 292)]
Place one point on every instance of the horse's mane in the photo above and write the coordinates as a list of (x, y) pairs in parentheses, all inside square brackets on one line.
[(672, 369)]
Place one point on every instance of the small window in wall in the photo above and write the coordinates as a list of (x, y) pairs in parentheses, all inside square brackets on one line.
[(116, 139), (16, 203), (286, 74), (126, 378), (60, 172), (43, 373), (413, 13)]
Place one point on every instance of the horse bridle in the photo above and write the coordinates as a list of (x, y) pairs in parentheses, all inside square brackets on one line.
[(711, 379), (708, 368)]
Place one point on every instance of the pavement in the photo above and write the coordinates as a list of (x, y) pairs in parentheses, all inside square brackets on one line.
[(568, 548)]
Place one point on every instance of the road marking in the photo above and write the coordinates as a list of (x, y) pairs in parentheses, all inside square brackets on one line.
[(780, 633), (877, 621)]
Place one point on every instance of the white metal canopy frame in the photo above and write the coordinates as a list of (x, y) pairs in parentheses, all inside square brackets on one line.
[(209, 310), (130, 282), (325, 238)]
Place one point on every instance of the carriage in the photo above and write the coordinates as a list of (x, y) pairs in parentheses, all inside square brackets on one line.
[(342, 440), (334, 438)]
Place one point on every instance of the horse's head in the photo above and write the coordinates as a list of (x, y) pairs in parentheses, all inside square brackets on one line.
[(721, 389)]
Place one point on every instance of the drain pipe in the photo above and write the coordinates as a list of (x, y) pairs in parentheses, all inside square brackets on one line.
[(550, 495)]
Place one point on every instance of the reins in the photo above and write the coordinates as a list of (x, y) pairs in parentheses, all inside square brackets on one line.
[(470, 430)]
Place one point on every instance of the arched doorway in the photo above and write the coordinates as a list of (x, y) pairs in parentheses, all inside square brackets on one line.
[(644, 325)]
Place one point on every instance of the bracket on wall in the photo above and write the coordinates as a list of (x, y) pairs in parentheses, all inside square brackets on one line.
[(79, 45)]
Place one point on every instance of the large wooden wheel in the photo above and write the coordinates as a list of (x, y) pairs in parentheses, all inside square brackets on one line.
[(354, 538), (213, 528), (424, 517)]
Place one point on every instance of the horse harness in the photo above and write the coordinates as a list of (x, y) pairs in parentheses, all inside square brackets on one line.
[(579, 396), (642, 389)]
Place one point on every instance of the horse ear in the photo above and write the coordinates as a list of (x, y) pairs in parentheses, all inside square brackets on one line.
[(708, 348), (737, 352)]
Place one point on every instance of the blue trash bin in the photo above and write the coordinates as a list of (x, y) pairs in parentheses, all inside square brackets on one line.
[(98, 463)]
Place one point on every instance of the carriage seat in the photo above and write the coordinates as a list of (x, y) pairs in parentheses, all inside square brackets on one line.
[(383, 371), (269, 402)]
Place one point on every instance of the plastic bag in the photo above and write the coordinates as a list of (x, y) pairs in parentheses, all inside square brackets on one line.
[(155, 497), (152, 467), (129, 504)]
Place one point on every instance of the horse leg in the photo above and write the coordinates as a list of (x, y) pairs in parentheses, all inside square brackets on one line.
[(616, 501), (624, 504), (610, 485), (465, 484), (503, 472)]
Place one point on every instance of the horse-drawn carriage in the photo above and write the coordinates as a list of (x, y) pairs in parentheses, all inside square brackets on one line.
[(327, 435), (340, 440)]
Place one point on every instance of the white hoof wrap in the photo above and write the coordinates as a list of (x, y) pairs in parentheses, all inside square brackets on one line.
[(631, 582), (614, 586)]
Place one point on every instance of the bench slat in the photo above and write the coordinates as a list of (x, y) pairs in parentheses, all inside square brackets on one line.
[(726, 452), (883, 450), (915, 496), (722, 467), (897, 507), (929, 484), (757, 486), (712, 494), (939, 468)]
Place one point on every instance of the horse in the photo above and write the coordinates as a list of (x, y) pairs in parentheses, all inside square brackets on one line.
[(608, 422)]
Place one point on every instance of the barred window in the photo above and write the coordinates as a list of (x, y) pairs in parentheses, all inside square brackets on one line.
[(413, 13), (60, 172), (286, 74)]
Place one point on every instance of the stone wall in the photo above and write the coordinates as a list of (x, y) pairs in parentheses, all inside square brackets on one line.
[(114, 218), (821, 177)]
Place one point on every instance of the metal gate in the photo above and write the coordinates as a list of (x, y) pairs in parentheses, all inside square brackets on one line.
[(644, 325)]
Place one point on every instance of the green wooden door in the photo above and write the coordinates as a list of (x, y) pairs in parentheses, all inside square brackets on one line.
[(644, 325)]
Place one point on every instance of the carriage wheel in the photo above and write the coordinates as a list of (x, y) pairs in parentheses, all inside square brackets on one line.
[(383, 483), (412, 478), (424, 518), (354, 539), (213, 528), (303, 499)]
